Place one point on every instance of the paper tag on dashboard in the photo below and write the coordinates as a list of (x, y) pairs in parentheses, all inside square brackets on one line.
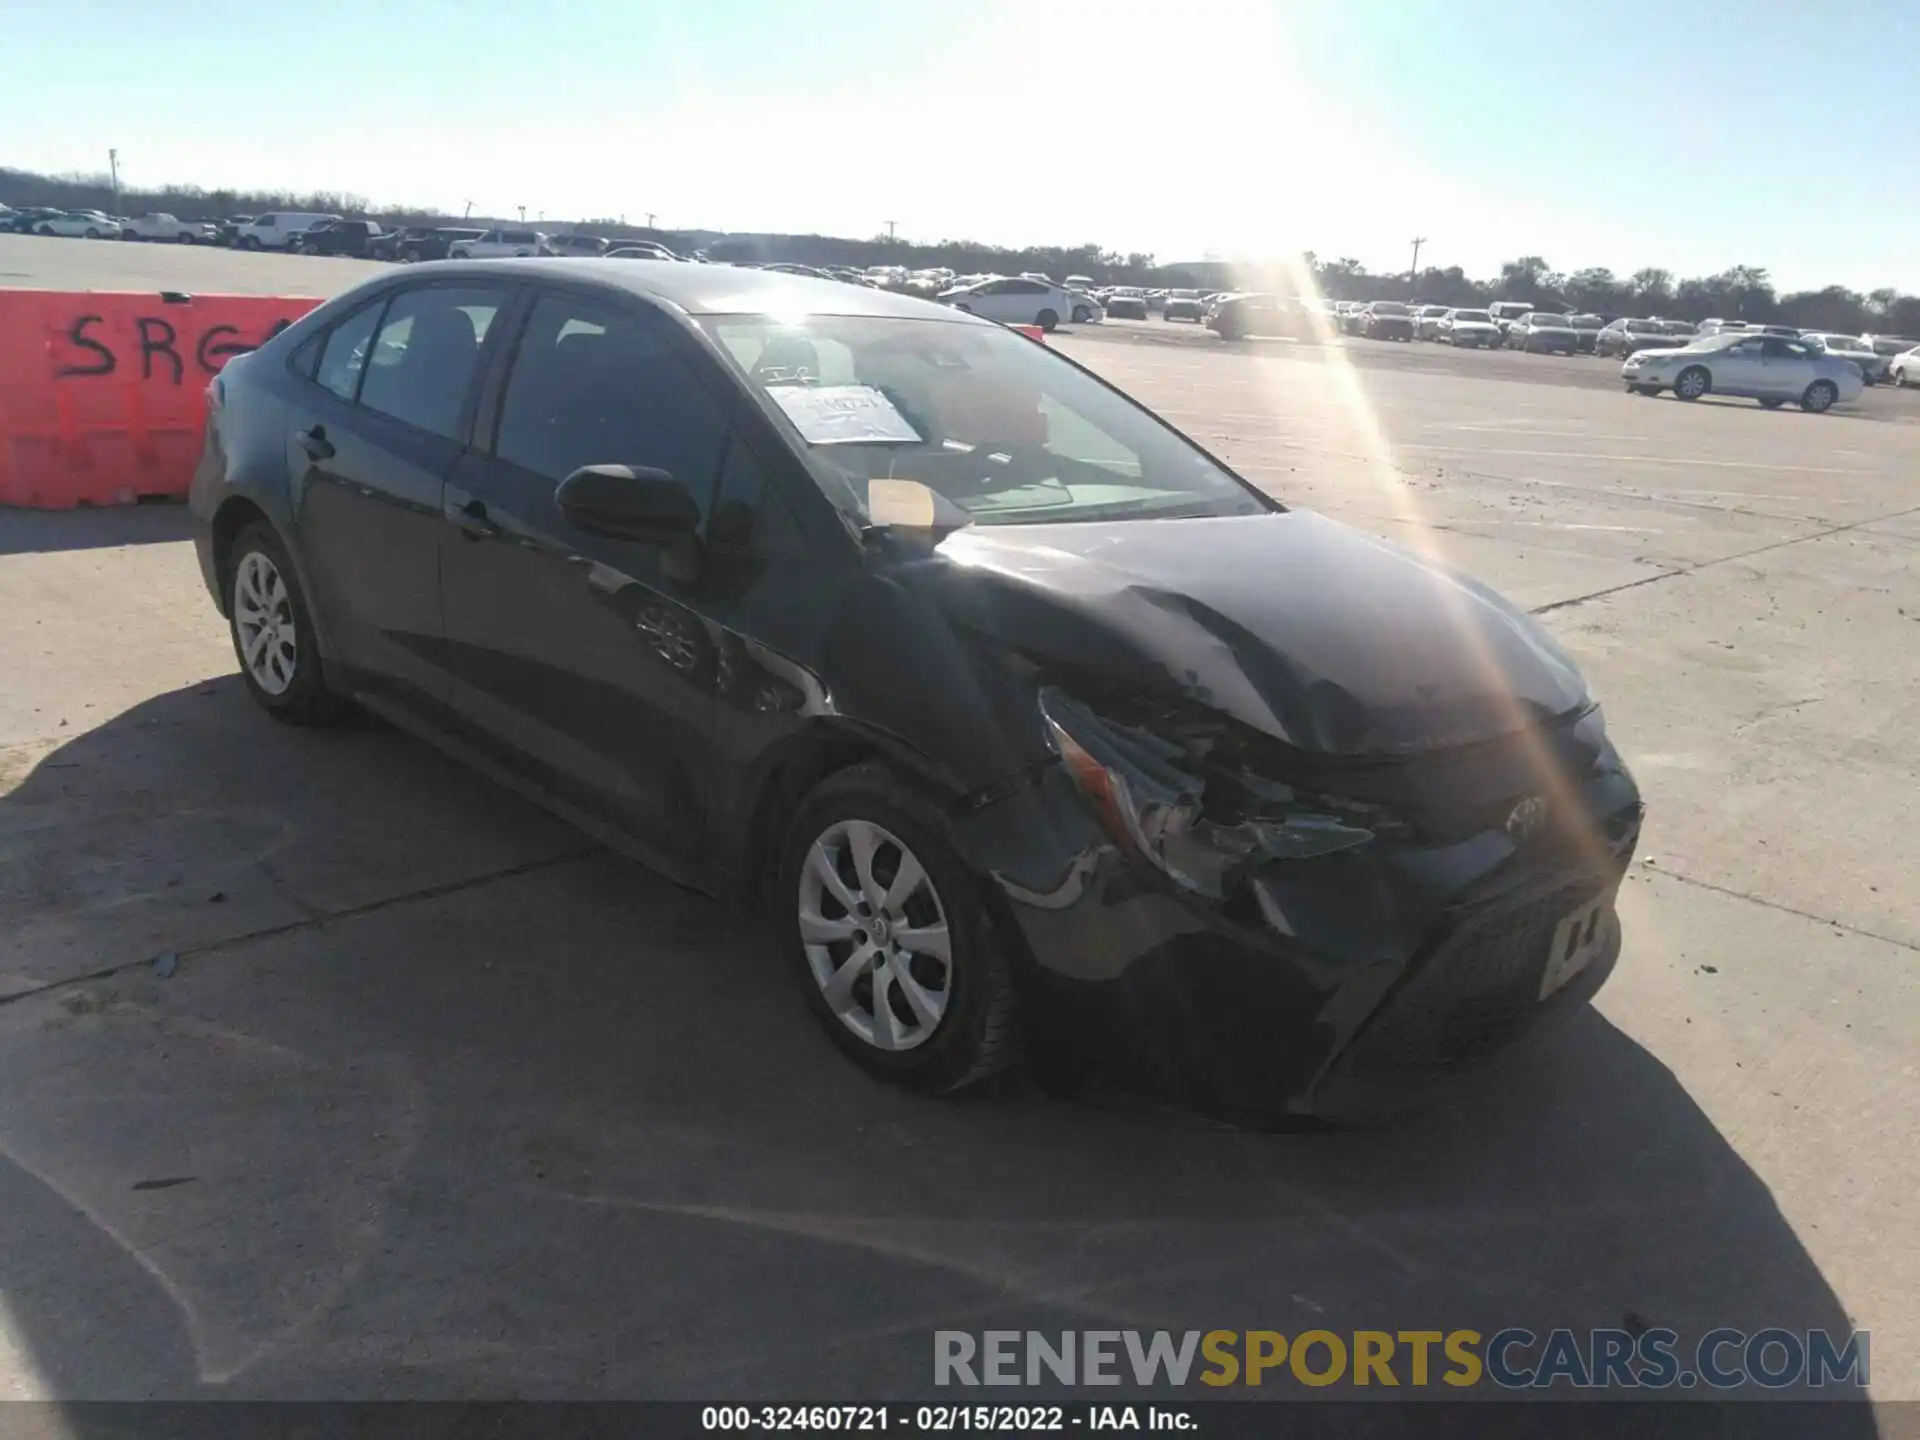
[(843, 415)]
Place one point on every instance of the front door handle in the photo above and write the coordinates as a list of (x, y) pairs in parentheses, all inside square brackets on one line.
[(314, 441), (472, 521)]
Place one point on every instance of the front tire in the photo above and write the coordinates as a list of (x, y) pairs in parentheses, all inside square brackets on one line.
[(889, 938), (273, 633), (1818, 397), (1082, 315), (1692, 383), (92, 234)]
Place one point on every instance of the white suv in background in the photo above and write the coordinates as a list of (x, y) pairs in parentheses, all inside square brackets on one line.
[(276, 229), (496, 244)]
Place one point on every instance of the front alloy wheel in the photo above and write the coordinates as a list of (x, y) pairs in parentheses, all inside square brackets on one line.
[(876, 935), (894, 945), (1692, 383), (1819, 397)]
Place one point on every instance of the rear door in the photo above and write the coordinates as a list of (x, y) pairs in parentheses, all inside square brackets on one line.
[(574, 658), (371, 436), (1786, 368)]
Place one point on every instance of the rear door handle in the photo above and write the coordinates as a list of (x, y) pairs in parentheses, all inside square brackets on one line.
[(472, 521), (314, 441)]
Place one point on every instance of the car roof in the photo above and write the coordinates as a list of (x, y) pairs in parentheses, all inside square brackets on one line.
[(715, 289)]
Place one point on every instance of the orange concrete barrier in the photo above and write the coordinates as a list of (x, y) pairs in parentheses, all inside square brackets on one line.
[(1032, 332), (103, 395)]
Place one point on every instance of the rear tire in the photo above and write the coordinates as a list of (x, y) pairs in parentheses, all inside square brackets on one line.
[(1818, 397), (1048, 320), (946, 1022), (1082, 315), (268, 618), (1692, 382)]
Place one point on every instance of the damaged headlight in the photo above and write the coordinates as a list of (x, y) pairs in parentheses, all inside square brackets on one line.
[(1161, 803)]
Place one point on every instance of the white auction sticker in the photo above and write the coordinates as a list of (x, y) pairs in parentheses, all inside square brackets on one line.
[(843, 415)]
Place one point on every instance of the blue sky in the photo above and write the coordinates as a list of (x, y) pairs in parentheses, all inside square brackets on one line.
[(1693, 136)]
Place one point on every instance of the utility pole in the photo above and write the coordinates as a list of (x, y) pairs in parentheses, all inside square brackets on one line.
[(890, 232), (113, 167), (649, 219), (1414, 273), (467, 214), (523, 213)]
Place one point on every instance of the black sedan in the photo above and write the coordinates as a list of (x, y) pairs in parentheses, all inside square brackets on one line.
[(1387, 320), (1011, 705), (1235, 317), (356, 239)]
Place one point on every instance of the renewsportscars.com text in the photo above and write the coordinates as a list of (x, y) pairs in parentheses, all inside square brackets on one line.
[(1515, 1359)]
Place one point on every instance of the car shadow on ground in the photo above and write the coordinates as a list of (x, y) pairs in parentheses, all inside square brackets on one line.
[(546, 1126), (26, 532)]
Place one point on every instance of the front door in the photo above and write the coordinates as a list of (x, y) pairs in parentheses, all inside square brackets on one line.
[(373, 426), (1739, 369), (573, 657)]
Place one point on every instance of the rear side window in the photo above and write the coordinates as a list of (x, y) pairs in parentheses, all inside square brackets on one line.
[(592, 385), (427, 353), (345, 354)]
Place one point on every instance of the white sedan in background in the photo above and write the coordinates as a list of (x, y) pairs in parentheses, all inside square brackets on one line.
[(1767, 368), (1904, 370), (80, 224), (1871, 364), (1021, 301)]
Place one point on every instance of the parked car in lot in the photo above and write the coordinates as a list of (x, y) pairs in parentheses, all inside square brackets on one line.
[(1904, 369), (1769, 368), (1871, 364), (433, 242), (577, 245), (1073, 711), (1541, 332), (1126, 302), (1473, 328), (1890, 345), (277, 230), (227, 231), (357, 239), (499, 244), (79, 225), (169, 229), (27, 221), (1624, 336), (1506, 312), (1185, 305), (1426, 321), (1586, 332), (1019, 301), (1386, 320), (1235, 317), (646, 250)]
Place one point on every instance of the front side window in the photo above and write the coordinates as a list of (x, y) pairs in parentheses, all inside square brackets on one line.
[(1000, 426), (427, 352), (595, 385), (345, 354)]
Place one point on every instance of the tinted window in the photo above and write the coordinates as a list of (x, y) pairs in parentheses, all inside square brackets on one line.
[(749, 512), (428, 350), (345, 355), (592, 385), (264, 220)]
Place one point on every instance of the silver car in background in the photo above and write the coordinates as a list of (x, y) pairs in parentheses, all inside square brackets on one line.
[(1871, 364), (1769, 368)]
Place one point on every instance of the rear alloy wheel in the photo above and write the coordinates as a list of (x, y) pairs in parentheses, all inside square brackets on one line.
[(1692, 383), (1818, 397), (273, 631), (1048, 320), (892, 943), (1082, 315), (92, 234)]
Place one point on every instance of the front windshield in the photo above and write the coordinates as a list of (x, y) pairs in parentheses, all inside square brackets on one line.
[(1472, 317), (1587, 322), (1543, 318), (996, 424), (1389, 307)]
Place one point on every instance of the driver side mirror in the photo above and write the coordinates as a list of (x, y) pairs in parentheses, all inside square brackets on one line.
[(628, 502)]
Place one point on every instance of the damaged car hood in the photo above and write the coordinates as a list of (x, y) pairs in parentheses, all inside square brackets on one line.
[(1325, 638)]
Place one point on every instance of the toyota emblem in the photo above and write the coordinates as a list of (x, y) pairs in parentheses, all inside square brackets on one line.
[(1525, 819)]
